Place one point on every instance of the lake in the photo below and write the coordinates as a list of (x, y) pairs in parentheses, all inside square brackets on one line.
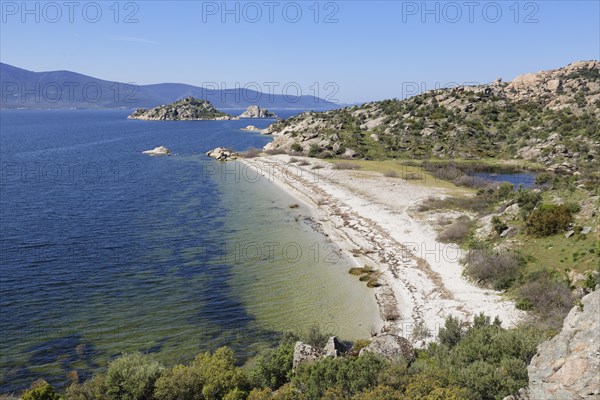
[(106, 250)]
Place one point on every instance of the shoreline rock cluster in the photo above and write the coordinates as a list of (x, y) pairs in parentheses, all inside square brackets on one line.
[(388, 346), (223, 154)]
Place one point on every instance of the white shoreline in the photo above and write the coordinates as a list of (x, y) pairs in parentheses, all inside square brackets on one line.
[(422, 278)]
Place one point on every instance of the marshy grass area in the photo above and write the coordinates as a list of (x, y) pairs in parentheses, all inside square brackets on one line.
[(415, 174)]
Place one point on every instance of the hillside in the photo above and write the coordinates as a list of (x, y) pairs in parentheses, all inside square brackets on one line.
[(186, 109), (21, 88), (551, 117)]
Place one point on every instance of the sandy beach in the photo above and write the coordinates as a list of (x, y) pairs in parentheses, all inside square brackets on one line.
[(372, 218)]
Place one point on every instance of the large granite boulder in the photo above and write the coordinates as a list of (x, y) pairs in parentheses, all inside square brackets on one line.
[(391, 347), (567, 367)]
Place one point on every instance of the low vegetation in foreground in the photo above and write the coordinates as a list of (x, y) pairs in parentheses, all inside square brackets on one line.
[(479, 360)]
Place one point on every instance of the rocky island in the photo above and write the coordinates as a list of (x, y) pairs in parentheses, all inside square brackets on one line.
[(187, 109), (257, 112)]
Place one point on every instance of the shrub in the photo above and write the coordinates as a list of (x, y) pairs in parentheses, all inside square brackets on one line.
[(350, 375), (251, 153), (314, 150), (132, 377), (505, 189), (260, 394), (456, 232), (452, 332), (40, 390), (498, 269), (274, 152), (297, 147), (549, 219), (527, 200), (273, 367), (498, 224), (542, 178), (347, 165), (315, 337), (208, 377), (551, 300), (380, 392), (358, 345), (92, 389)]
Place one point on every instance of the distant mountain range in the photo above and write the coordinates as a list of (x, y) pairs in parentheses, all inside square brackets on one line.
[(20, 88)]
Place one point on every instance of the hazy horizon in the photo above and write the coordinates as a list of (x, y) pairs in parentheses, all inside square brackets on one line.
[(323, 48)]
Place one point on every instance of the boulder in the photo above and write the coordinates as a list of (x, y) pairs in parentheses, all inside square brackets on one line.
[(391, 347), (158, 151), (222, 154), (566, 367), (251, 128), (305, 353), (334, 347)]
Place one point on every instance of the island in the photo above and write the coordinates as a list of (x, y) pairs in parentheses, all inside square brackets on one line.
[(187, 109), (257, 112)]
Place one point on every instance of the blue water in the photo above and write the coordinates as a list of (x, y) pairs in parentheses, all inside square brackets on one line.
[(106, 250), (526, 179)]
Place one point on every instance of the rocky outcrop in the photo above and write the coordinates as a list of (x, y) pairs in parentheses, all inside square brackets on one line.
[(465, 122), (567, 367), (223, 154), (391, 347), (158, 151), (189, 109), (305, 353), (257, 112), (334, 347), (251, 128)]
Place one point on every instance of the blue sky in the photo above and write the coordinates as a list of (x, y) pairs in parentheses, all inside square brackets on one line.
[(351, 51)]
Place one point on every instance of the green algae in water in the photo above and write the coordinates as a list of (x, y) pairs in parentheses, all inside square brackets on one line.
[(288, 276)]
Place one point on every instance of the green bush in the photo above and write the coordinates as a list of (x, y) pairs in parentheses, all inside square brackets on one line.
[(208, 377), (40, 390), (315, 337), (452, 332), (132, 377), (527, 200), (273, 367), (505, 190), (549, 219), (350, 375), (297, 147), (92, 389), (498, 224)]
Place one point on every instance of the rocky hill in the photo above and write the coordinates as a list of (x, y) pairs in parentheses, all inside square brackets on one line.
[(551, 117), (185, 109), (257, 112)]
